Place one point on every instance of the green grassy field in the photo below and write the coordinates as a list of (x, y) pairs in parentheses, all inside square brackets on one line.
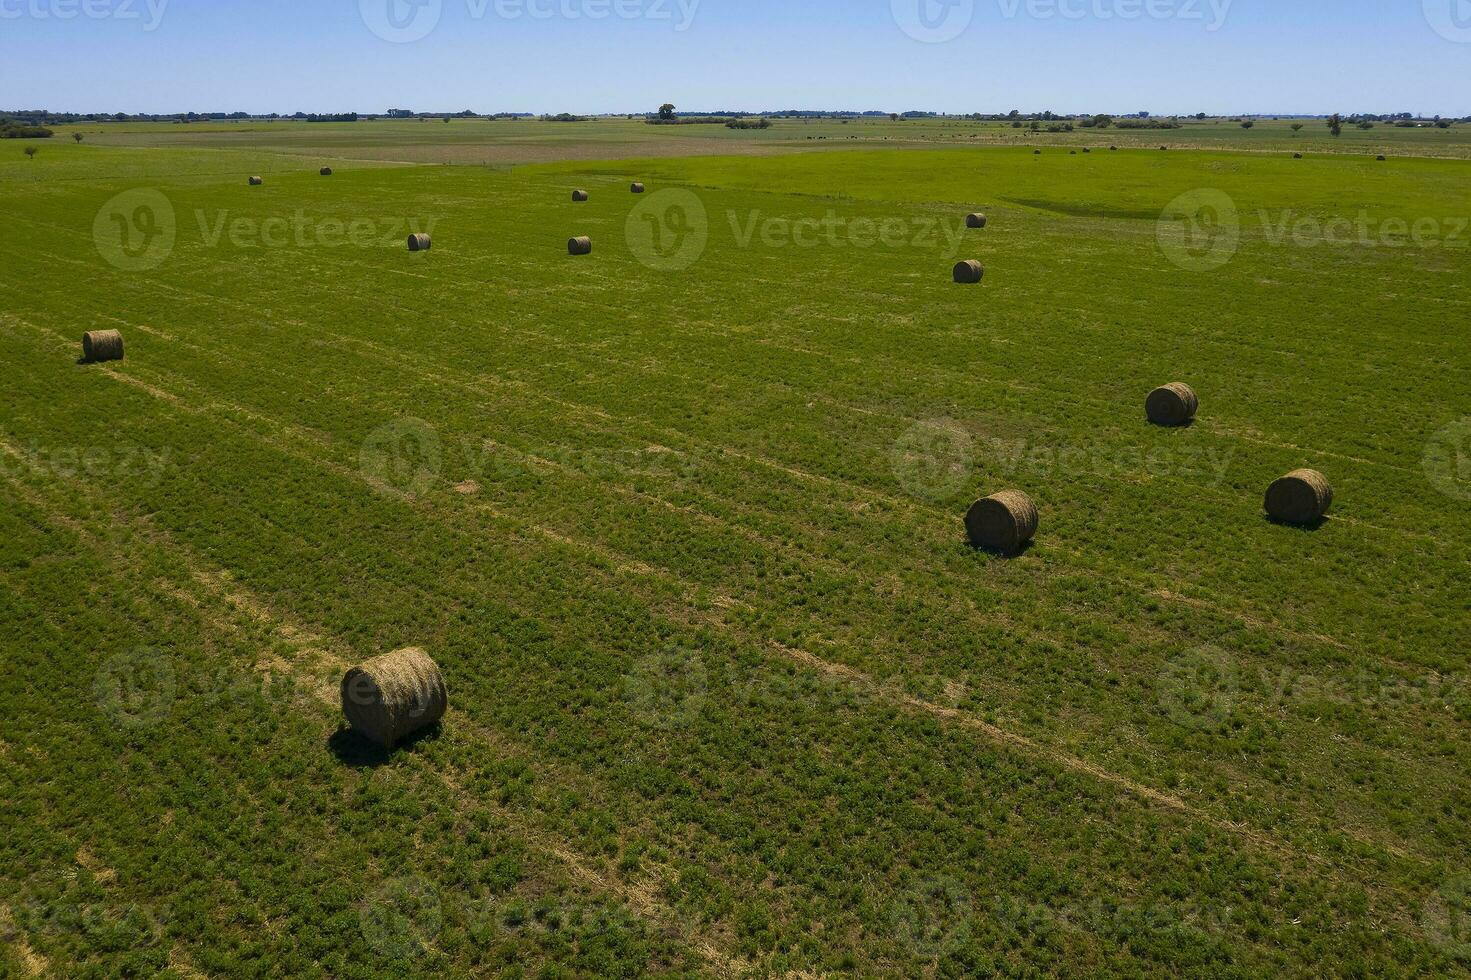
[(681, 522)]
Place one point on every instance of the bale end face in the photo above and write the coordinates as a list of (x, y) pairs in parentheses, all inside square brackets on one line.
[(102, 345), (256, 182), (579, 246), (975, 221), (636, 188), (579, 196), (1300, 497), (1003, 523), (419, 242), (1172, 405), (395, 696), (969, 272)]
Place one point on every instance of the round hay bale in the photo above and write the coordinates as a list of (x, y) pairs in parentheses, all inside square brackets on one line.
[(1300, 497), (1297, 156), (1072, 153), (1165, 148), (394, 696), (326, 171), (579, 196), (419, 242), (1087, 149), (102, 345), (969, 272), (975, 221), (1004, 522), (256, 181), (637, 188), (1381, 158), (1036, 153), (1173, 404), (1114, 148), (582, 245)]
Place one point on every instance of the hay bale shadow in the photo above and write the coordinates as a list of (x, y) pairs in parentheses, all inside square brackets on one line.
[(1000, 552), (356, 751), (1309, 528)]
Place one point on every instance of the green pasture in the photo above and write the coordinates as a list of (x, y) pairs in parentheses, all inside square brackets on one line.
[(681, 522)]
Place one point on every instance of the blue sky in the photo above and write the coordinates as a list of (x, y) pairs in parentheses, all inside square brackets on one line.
[(1168, 56)]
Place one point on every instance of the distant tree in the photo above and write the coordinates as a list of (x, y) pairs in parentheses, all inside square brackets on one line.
[(666, 111), (1248, 124), (1102, 121), (1366, 125), (1335, 124), (77, 137), (1442, 124), (893, 117), (1297, 127), (1200, 115), (446, 119), (31, 152)]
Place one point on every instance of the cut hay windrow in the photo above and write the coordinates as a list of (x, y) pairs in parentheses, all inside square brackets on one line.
[(581, 245), (1300, 497), (1173, 404), (579, 196), (975, 221), (419, 242), (1003, 522), (394, 696), (102, 345), (969, 272)]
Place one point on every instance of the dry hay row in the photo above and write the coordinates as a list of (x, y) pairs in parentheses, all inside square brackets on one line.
[(213, 584), (1075, 764)]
